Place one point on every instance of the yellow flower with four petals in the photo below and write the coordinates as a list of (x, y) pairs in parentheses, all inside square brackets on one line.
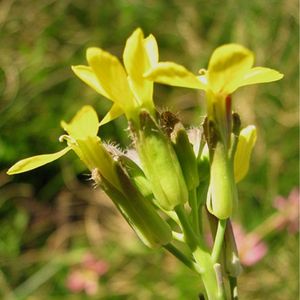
[(83, 140), (125, 87), (229, 68)]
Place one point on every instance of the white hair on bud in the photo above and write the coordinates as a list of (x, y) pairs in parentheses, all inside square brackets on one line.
[(133, 155), (114, 149)]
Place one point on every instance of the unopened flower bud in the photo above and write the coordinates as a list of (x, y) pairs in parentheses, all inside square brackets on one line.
[(160, 164), (222, 193), (140, 213), (247, 139), (186, 156), (92, 152)]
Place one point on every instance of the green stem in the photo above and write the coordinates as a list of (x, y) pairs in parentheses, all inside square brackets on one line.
[(201, 256), (220, 280), (31, 284), (191, 238), (217, 248), (183, 258), (233, 288), (201, 194), (195, 211)]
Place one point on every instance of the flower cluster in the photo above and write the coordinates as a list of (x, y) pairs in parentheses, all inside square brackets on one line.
[(172, 179)]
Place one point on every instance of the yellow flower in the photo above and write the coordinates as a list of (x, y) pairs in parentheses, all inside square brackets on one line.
[(125, 87), (229, 68), (83, 140)]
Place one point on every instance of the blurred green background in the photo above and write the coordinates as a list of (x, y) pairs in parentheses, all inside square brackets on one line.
[(51, 217)]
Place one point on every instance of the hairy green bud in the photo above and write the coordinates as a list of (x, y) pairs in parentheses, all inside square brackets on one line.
[(160, 164)]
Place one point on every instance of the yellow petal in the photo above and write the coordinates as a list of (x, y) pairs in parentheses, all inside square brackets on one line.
[(244, 149), (34, 162), (227, 65), (111, 76), (260, 75), (84, 124), (113, 113), (173, 74), (151, 49), (135, 56), (136, 62), (87, 75)]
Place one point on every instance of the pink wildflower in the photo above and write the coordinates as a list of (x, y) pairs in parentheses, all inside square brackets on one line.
[(91, 263), (250, 248), (85, 276), (83, 281)]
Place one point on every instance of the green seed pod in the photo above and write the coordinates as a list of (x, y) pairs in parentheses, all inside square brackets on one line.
[(186, 156), (138, 211), (160, 164)]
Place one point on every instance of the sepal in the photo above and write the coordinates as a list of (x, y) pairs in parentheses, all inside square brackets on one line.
[(137, 176)]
